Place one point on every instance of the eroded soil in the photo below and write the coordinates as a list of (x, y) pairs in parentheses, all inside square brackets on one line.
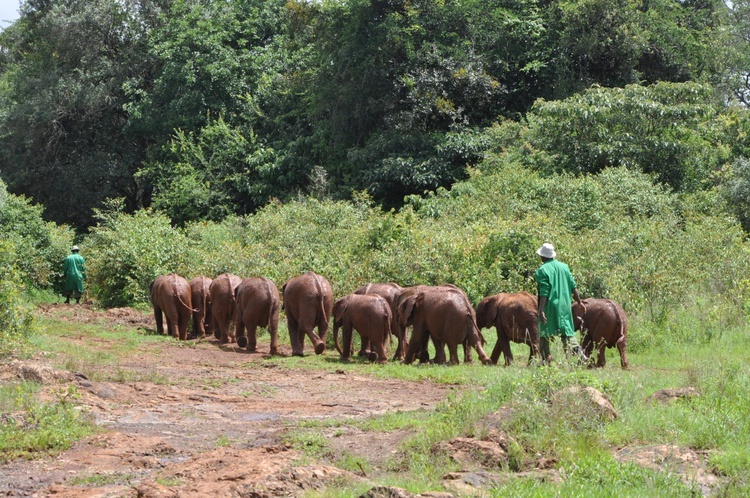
[(205, 420)]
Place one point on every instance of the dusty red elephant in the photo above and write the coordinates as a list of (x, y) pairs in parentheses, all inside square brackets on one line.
[(201, 298), (603, 325), (170, 296), (515, 319), (368, 314), (223, 305), (308, 301), (445, 314), (389, 292), (258, 303)]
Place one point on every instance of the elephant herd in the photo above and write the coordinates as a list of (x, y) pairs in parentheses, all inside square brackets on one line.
[(378, 312)]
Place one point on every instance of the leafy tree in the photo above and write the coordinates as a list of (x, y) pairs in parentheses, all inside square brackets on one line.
[(659, 129), (62, 119)]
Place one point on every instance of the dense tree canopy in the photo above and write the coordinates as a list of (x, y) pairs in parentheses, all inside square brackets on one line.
[(205, 108)]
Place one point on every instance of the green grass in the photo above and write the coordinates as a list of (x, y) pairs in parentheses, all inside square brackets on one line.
[(30, 428), (99, 480)]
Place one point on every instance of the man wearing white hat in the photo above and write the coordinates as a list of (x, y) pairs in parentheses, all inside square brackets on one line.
[(74, 269), (555, 285)]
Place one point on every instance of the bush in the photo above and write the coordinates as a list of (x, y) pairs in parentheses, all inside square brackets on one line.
[(38, 247), (125, 253), (16, 321)]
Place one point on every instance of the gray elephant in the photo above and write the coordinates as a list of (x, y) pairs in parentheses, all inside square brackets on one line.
[(258, 303), (368, 314), (308, 302)]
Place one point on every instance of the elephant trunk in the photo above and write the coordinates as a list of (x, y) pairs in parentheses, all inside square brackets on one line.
[(336, 336)]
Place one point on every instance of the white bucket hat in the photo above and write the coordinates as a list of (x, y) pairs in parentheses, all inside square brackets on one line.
[(547, 251), (74, 248)]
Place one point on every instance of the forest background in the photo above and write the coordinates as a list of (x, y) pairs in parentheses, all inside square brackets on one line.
[(424, 142), (417, 142)]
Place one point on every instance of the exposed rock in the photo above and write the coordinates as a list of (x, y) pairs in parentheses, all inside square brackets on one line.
[(689, 464), (470, 451), (669, 395), (154, 490), (36, 372), (587, 400), (394, 492), (387, 492)]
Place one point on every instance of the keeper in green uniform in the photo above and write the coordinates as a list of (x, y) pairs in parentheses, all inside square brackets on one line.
[(74, 269), (555, 284)]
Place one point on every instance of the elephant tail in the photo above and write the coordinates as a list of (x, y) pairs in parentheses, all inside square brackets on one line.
[(319, 289), (271, 301)]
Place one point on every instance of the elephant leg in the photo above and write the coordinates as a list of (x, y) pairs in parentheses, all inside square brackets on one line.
[(467, 352), (495, 356), (215, 326), (346, 348), (273, 330), (415, 345), (239, 331), (307, 322), (159, 317), (439, 351), (364, 347), (623, 354), (453, 351), (424, 349), (601, 348), (400, 347), (172, 327), (252, 336), (294, 335), (378, 349), (505, 345)]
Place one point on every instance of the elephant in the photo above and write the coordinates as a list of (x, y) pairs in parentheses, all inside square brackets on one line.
[(258, 303), (443, 312), (422, 351), (222, 291), (371, 316), (603, 324), (170, 296), (308, 302), (515, 318), (389, 292), (201, 299)]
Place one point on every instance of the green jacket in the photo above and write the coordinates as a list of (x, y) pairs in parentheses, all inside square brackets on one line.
[(555, 282), (74, 269)]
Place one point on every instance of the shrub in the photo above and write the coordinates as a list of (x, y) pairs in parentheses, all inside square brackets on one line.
[(127, 252)]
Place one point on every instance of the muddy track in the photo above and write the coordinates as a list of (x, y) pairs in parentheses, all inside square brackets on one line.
[(208, 420)]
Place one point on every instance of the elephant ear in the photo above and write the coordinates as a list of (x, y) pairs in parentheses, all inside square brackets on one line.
[(486, 313), (406, 309), (339, 308)]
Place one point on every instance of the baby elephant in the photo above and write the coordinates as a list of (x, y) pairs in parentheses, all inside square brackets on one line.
[(370, 315), (603, 324)]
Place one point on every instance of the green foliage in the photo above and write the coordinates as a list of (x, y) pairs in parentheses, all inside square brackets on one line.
[(736, 190), (659, 129), (37, 248), (33, 428), (16, 320), (62, 140), (127, 252)]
